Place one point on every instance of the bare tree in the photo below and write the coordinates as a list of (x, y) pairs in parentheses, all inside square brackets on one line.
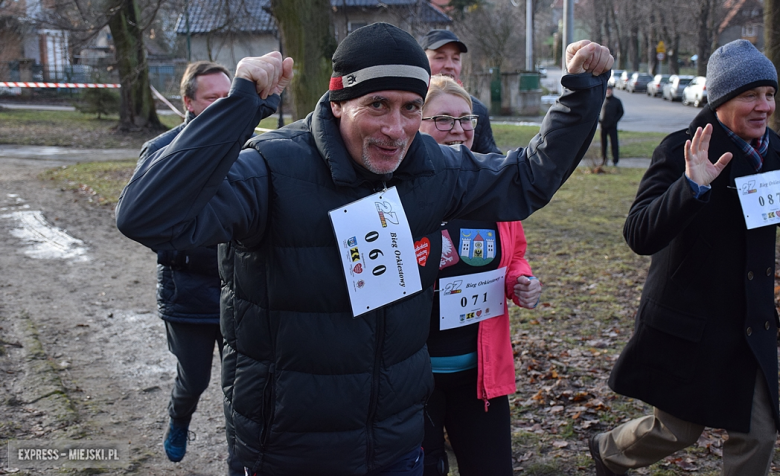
[(137, 110), (307, 36), (495, 34), (127, 20)]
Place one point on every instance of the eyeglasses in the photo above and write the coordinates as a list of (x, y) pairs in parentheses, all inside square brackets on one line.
[(446, 123)]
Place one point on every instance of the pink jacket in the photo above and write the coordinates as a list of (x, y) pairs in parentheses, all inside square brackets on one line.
[(495, 359)]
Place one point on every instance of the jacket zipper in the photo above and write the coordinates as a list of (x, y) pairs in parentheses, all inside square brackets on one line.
[(380, 334), (380, 331)]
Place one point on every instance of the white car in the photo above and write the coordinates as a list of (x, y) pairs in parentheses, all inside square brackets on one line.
[(696, 92)]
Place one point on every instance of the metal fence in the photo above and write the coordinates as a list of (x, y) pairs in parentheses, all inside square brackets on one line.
[(165, 78), (73, 73)]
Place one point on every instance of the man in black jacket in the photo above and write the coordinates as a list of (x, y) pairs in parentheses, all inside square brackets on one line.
[(704, 349), (327, 297), (611, 112), (443, 49), (188, 283)]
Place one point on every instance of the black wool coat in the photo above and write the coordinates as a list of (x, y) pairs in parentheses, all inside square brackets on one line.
[(707, 317)]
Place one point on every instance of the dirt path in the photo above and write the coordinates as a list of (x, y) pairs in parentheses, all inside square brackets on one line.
[(83, 354)]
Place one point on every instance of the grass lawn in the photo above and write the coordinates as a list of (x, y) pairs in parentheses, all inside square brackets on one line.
[(632, 144)]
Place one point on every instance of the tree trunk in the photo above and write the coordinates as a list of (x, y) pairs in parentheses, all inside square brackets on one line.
[(307, 37), (772, 43), (634, 48), (674, 55), (136, 110), (704, 37)]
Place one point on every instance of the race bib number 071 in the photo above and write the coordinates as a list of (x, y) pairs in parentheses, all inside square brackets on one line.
[(377, 251), (471, 298)]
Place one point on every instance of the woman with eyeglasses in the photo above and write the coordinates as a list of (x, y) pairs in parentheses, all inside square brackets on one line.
[(467, 352)]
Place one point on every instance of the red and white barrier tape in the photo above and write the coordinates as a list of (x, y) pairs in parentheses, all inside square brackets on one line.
[(57, 85)]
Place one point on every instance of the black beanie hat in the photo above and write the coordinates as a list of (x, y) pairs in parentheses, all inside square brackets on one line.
[(378, 57)]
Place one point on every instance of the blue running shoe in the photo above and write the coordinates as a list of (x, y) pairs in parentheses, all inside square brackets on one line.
[(176, 441)]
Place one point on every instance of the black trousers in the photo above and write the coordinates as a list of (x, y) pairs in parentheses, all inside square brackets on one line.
[(193, 346), (613, 139), (481, 440)]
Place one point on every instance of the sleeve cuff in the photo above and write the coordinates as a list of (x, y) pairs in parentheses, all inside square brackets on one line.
[(698, 190)]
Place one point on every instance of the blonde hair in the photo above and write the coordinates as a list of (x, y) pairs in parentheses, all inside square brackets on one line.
[(441, 84)]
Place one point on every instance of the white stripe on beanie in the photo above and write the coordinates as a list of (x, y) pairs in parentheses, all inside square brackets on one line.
[(384, 71)]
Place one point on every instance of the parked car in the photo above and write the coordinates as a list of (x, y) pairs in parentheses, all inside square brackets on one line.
[(614, 77), (696, 92), (673, 89), (620, 83), (638, 82), (656, 86)]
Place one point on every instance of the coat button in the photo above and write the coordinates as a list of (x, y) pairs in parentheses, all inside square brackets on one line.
[(750, 275), (749, 331), (766, 325), (769, 271)]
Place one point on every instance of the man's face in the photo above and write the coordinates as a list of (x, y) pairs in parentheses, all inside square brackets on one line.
[(747, 114), (446, 61), (609, 92), (210, 88), (377, 128)]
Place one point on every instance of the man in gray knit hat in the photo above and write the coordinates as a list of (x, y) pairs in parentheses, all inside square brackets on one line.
[(704, 349)]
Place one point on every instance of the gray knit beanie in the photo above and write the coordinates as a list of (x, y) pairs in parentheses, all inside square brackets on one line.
[(737, 67)]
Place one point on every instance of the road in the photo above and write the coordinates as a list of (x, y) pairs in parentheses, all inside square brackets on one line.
[(642, 113), (83, 354)]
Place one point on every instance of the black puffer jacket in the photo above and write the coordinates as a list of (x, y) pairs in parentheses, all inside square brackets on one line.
[(308, 388), (188, 284)]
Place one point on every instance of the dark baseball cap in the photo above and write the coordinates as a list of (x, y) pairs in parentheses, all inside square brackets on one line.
[(435, 39)]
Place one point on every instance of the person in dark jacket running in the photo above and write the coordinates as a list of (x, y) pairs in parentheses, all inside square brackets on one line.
[(188, 284), (704, 348), (325, 305), (443, 49), (611, 112)]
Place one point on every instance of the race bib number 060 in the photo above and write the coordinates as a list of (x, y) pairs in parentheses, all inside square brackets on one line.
[(377, 251)]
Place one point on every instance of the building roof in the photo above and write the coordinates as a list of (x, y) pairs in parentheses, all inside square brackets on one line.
[(206, 16), (428, 13), (248, 16)]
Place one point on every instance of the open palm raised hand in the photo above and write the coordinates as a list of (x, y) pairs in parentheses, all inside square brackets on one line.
[(697, 163)]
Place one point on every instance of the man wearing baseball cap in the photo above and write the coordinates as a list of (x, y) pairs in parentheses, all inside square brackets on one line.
[(324, 372), (704, 349), (443, 49)]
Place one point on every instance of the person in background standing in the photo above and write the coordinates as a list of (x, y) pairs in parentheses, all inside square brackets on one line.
[(477, 355), (611, 112), (443, 49)]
